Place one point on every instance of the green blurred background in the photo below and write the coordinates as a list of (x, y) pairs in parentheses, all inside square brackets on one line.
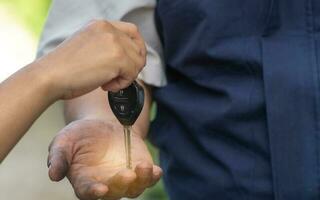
[(31, 15)]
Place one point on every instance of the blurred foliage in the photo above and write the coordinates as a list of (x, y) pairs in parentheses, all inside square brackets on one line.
[(32, 14), (157, 192)]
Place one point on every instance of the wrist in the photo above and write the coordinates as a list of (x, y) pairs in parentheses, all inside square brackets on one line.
[(39, 76), (47, 67)]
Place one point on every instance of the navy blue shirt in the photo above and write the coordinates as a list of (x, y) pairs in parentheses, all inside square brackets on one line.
[(239, 118)]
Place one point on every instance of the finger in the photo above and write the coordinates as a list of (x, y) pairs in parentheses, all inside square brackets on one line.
[(132, 31), (119, 183), (116, 84), (144, 172), (156, 175), (135, 191), (89, 189), (130, 43), (134, 53), (58, 163), (144, 179), (112, 86), (128, 28), (120, 82)]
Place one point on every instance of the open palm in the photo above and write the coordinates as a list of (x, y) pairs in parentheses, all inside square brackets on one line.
[(91, 154)]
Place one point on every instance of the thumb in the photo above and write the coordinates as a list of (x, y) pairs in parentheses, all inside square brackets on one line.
[(58, 162), (116, 84)]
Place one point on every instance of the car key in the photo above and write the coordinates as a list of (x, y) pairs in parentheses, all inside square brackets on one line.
[(127, 104)]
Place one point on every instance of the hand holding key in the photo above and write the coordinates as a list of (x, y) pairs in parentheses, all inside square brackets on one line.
[(100, 54)]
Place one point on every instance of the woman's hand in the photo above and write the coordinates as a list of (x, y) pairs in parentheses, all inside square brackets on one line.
[(101, 54)]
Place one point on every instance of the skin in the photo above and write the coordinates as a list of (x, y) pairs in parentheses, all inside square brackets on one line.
[(98, 171), (117, 55), (90, 151)]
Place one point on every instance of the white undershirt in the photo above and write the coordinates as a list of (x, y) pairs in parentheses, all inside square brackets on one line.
[(67, 16)]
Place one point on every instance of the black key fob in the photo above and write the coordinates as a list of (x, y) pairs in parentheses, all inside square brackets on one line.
[(127, 103)]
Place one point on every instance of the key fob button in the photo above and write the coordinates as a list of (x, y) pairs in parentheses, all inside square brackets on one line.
[(125, 93), (120, 93), (122, 108)]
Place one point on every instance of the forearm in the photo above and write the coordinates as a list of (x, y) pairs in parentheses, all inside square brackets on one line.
[(92, 105), (23, 97), (142, 124), (95, 106)]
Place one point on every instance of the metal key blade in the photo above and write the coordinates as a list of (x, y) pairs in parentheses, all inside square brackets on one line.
[(127, 141), (127, 105)]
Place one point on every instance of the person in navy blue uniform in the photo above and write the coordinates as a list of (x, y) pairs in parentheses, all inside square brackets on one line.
[(239, 116)]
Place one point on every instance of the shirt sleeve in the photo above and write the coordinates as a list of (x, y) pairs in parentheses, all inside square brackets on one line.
[(67, 16)]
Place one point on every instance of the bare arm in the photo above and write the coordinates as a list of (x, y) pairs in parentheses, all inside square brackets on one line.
[(24, 97), (93, 139), (116, 56), (90, 151), (95, 105)]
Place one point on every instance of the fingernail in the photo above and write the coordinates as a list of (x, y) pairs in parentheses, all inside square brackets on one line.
[(48, 164), (98, 193)]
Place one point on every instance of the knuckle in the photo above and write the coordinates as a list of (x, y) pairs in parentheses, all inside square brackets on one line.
[(133, 28), (98, 24), (111, 38)]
